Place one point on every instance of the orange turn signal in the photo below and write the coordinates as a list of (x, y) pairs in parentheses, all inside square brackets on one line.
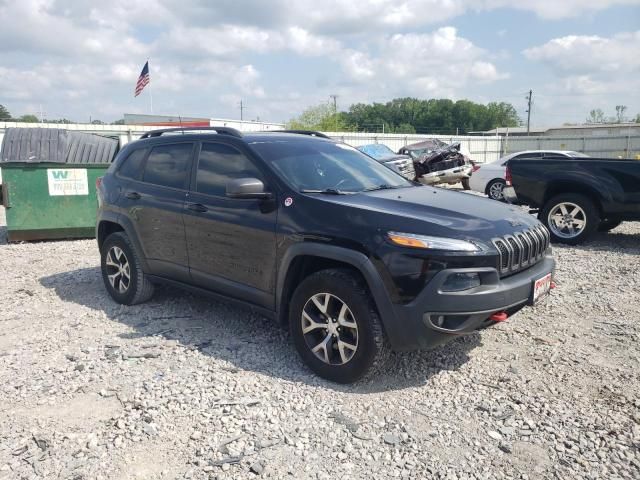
[(407, 241)]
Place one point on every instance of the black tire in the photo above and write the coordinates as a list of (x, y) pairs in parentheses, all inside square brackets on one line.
[(465, 184), (138, 288), (344, 286), (608, 224), (492, 188), (590, 215)]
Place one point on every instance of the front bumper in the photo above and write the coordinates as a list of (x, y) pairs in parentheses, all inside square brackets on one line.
[(435, 316), (452, 175)]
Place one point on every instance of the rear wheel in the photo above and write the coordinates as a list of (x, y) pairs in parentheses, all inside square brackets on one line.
[(335, 326), (495, 189), (571, 218), (122, 271)]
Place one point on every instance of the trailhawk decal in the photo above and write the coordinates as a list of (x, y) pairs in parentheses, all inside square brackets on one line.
[(67, 181)]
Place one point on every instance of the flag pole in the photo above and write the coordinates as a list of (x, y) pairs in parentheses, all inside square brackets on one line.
[(150, 95)]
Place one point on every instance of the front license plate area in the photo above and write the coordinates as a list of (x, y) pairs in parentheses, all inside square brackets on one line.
[(541, 288)]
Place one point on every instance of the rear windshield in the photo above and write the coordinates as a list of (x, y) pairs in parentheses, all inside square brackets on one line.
[(320, 165), (376, 150)]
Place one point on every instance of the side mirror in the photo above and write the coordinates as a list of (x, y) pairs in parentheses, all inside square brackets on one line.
[(247, 188)]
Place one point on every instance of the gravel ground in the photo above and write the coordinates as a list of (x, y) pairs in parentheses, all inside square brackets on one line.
[(185, 387)]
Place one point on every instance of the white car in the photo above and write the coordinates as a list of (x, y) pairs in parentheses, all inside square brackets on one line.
[(488, 178)]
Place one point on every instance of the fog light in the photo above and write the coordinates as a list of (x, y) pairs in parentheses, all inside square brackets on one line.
[(456, 282)]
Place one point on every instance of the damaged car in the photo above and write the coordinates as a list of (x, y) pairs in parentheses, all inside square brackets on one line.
[(437, 162), (403, 164)]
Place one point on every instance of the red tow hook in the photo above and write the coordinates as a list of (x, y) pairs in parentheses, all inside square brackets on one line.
[(499, 317), (553, 285)]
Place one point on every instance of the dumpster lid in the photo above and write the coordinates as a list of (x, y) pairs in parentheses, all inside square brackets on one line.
[(56, 145)]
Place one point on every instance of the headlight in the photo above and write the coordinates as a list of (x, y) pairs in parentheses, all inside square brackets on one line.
[(434, 243)]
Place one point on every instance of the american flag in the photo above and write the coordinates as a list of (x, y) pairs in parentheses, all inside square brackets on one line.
[(143, 79)]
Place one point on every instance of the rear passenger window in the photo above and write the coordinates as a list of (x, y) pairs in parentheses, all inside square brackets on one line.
[(169, 165), (220, 163), (132, 165)]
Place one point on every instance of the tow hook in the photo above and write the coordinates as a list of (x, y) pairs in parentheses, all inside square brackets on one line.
[(553, 285), (499, 317)]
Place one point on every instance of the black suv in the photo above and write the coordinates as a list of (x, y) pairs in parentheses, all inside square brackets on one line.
[(354, 258)]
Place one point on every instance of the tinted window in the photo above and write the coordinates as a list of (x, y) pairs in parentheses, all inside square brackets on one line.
[(169, 165), (220, 163), (554, 156), (528, 155), (132, 165)]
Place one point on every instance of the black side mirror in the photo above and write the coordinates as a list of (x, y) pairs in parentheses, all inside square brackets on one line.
[(247, 188)]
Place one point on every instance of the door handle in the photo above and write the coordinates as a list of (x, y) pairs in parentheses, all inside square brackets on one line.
[(132, 195), (197, 207)]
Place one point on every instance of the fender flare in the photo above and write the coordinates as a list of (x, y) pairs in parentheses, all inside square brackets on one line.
[(129, 229), (354, 258)]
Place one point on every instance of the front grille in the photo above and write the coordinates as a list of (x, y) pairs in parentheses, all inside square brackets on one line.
[(405, 167), (522, 249)]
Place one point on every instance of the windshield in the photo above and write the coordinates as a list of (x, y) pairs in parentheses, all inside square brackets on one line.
[(327, 167), (377, 150)]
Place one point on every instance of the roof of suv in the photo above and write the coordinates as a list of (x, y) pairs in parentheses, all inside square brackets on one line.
[(200, 133)]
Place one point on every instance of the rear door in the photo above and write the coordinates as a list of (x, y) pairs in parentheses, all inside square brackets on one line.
[(231, 242), (154, 202)]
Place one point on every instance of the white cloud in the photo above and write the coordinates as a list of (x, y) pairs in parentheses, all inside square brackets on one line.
[(584, 54)]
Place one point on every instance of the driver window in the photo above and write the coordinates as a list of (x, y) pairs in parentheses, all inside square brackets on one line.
[(219, 163)]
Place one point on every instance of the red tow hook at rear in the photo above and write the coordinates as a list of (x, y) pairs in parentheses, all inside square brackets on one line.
[(553, 285), (499, 317)]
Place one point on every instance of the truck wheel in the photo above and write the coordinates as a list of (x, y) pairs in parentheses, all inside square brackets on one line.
[(608, 224), (571, 218), (495, 188), (335, 326), (122, 272), (465, 184)]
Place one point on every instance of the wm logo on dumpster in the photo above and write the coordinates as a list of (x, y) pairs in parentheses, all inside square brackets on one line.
[(67, 181), (60, 174)]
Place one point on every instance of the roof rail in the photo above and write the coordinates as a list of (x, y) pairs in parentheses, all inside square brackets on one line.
[(311, 133), (219, 130)]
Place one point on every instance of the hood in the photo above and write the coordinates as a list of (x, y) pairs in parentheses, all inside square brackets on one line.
[(435, 211)]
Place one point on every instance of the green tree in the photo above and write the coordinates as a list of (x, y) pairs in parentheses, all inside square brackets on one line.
[(620, 109), (4, 113), (28, 119), (596, 116), (638, 118), (118, 122), (320, 117)]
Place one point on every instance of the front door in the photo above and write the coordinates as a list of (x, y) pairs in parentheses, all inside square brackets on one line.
[(231, 242)]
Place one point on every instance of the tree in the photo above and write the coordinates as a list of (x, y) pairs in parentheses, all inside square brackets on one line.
[(4, 113), (620, 109), (28, 119), (118, 122), (638, 118), (596, 116), (320, 117)]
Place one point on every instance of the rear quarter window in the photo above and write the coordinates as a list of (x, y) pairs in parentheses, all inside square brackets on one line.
[(131, 166)]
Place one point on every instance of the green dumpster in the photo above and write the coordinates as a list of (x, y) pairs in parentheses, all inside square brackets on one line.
[(49, 182)]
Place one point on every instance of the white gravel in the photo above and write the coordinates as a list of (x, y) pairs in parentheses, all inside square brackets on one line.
[(184, 387)]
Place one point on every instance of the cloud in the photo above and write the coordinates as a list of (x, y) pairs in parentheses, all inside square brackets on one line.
[(584, 54), (556, 9)]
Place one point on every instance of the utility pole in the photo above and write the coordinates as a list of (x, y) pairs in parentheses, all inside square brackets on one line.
[(241, 110), (528, 98), (335, 110)]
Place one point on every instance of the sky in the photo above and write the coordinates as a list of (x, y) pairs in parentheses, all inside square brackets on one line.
[(80, 59)]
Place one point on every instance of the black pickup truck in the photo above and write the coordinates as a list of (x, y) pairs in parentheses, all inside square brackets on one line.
[(578, 196)]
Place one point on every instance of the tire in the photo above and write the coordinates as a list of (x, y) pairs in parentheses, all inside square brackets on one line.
[(117, 251), (608, 224), (343, 287), (494, 189), (465, 184), (574, 226)]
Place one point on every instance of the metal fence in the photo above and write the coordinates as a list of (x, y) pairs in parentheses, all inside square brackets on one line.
[(487, 149)]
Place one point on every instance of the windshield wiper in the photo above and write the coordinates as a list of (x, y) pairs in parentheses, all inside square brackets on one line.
[(328, 191), (384, 186)]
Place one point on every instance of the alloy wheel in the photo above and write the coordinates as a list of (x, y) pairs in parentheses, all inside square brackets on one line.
[(495, 191), (329, 329), (118, 270), (567, 220)]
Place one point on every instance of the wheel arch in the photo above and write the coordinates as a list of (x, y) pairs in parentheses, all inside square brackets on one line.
[(112, 223), (572, 187), (303, 259), (495, 179)]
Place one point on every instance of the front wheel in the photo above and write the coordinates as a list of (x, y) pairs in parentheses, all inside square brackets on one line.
[(335, 326), (571, 218)]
